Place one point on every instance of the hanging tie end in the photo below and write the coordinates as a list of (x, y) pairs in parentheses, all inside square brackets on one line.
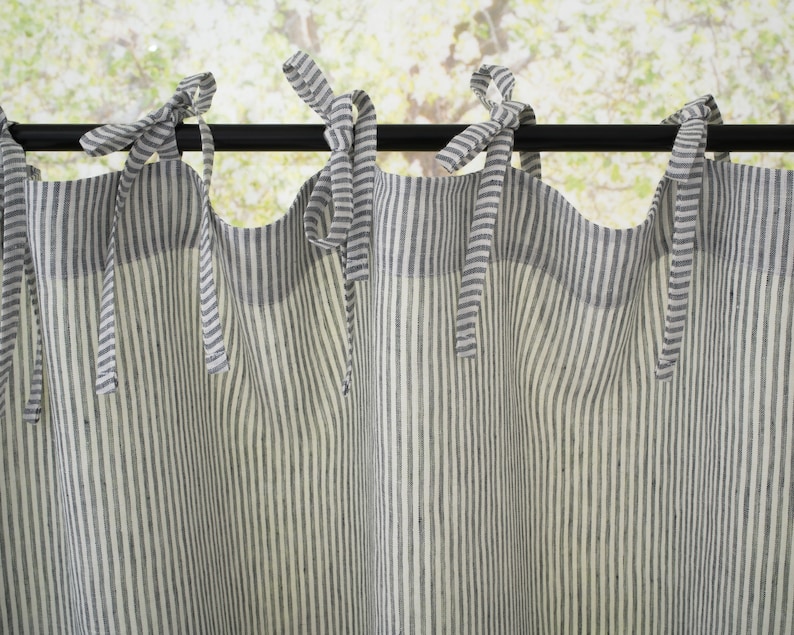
[(106, 383), (32, 414), (466, 347), (448, 160), (217, 363), (664, 370)]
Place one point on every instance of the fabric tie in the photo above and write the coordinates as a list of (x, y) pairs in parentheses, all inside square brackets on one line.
[(474, 139), (17, 259), (345, 183), (344, 180), (157, 133), (686, 167), (714, 117), (497, 136)]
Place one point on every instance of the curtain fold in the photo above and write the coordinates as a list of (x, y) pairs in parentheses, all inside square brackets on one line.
[(550, 484)]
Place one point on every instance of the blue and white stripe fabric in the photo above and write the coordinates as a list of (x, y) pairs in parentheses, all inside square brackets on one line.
[(686, 168), (17, 268), (157, 133), (344, 186), (550, 484), (497, 136)]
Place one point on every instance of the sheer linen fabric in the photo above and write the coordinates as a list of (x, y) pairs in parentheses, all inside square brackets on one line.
[(550, 484)]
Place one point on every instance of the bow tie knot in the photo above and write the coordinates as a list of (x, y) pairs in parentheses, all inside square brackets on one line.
[(156, 133), (180, 104), (192, 98), (507, 113), (338, 214), (495, 136), (339, 118), (340, 137)]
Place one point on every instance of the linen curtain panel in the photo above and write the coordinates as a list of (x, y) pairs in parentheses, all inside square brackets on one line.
[(410, 405)]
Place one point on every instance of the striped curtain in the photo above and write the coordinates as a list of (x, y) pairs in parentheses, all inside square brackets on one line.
[(616, 457)]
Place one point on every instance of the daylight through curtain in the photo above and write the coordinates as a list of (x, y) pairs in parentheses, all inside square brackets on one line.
[(411, 405)]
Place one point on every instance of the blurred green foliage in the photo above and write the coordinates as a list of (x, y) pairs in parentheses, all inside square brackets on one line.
[(613, 61)]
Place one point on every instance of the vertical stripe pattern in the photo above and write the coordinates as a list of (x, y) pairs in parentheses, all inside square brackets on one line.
[(714, 117), (479, 245), (685, 167), (14, 175), (17, 264), (344, 184), (345, 180), (497, 135), (550, 485), (156, 133)]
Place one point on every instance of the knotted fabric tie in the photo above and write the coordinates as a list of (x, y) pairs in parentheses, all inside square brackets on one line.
[(346, 180), (714, 117), (345, 183), (497, 136), (156, 133), (686, 167), (17, 259)]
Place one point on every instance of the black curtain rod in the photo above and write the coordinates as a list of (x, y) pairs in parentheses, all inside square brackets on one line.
[(431, 138)]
